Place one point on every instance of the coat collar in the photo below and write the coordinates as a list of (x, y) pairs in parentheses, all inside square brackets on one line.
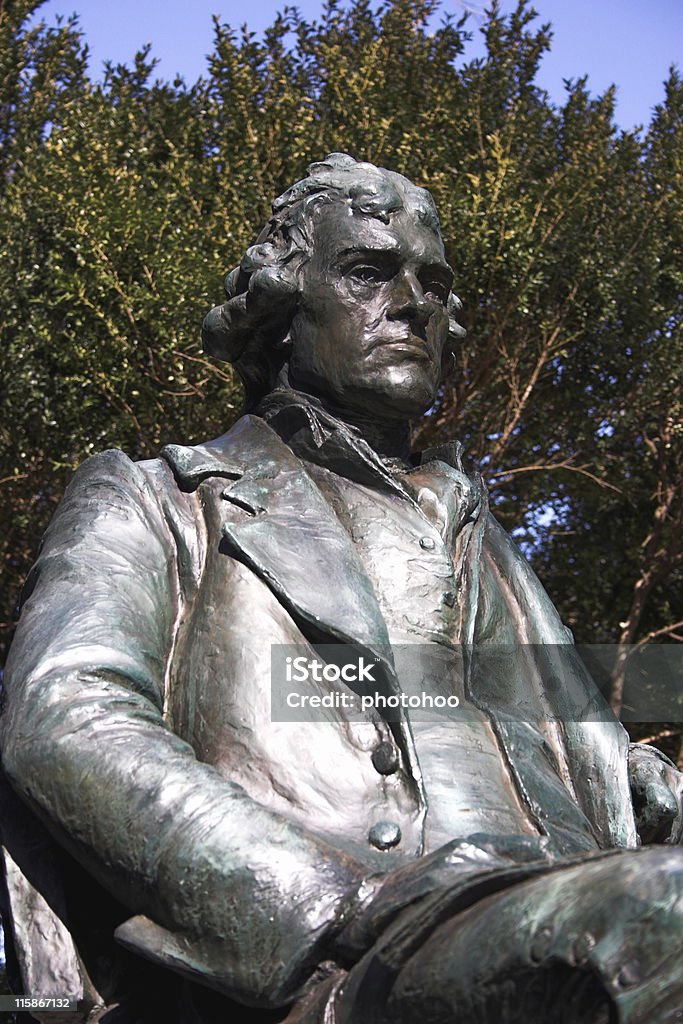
[(290, 536)]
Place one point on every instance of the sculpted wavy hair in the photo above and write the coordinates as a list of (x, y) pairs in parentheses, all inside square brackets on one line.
[(250, 329)]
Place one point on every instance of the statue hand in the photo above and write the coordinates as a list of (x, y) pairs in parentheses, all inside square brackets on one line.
[(381, 898), (657, 792)]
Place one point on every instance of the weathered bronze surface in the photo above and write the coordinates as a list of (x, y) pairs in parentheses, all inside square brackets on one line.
[(170, 849)]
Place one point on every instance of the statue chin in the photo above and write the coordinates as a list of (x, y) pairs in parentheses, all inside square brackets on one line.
[(400, 394), (405, 399), (404, 392)]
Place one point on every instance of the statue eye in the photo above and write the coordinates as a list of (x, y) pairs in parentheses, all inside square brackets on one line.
[(368, 273), (436, 289)]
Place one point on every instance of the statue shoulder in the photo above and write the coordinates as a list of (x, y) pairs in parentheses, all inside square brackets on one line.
[(111, 484), (114, 469), (249, 446)]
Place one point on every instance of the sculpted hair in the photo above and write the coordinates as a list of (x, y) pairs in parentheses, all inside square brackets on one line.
[(250, 329)]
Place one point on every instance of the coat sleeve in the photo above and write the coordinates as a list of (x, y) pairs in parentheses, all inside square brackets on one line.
[(250, 898)]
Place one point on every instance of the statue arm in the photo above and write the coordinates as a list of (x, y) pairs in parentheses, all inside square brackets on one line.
[(254, 898)]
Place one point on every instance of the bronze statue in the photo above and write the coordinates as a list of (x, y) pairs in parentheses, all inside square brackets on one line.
[(172, 848)]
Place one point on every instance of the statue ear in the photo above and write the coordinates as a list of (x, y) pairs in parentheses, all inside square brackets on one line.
[(456, 332), (455, 329), (221, 334)]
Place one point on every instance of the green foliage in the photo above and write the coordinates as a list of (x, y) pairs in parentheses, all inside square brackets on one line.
[(124, 203)]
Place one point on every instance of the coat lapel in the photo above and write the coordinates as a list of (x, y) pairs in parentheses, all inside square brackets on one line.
[(290, 537)]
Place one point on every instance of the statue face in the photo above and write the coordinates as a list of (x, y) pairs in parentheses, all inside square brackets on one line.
[(371, 327)]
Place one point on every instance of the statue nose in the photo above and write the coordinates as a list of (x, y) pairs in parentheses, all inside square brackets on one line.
[(411, 302)]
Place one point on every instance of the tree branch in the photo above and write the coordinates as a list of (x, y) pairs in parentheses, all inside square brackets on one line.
[(542, 466)]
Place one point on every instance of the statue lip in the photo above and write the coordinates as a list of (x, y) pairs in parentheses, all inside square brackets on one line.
[(408, 341), (409, 346)]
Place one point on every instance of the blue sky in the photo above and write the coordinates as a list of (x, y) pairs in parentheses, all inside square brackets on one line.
[(627, 42)]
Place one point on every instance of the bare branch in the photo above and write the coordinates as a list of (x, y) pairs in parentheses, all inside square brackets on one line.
[(663, 631), (215, 370), (662, 735), (543, 466)]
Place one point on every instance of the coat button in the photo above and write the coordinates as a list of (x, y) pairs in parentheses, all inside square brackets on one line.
[(427, 543), (385, 758), (449, 598), (385, 834)]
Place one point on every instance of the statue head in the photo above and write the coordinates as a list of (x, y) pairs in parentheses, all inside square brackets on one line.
[(347, 290)]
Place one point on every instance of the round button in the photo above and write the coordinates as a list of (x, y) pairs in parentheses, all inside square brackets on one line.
[(385, 834), (427, 543), (385, 758)]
